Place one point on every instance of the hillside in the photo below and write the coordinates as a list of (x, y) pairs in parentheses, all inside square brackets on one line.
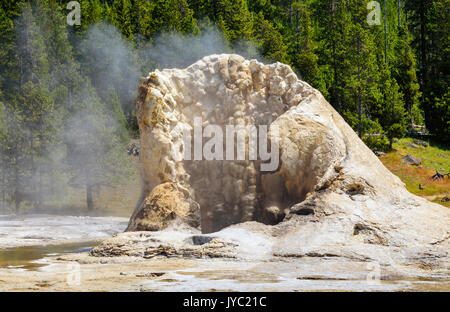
[(433, 157)]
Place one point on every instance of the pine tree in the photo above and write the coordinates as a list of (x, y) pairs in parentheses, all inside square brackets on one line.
[(430, 23), (234, 18), (303, 48), (95, 156), (269, 40), (121, 16), (392, 114), (333, 21), (407, 79), (119, 64), (119, 121), (3, 158), (7, 51), (37, 117), (29, 104), (92, 11), (172, 15)]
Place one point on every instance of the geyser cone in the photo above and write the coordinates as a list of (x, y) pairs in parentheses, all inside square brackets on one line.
[(221, 90), (328, 187)]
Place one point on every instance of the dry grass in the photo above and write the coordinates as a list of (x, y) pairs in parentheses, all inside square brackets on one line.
[(433, 157)]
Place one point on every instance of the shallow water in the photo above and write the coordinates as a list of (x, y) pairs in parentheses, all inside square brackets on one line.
[(25, 239), (24, 258), (33, 230)]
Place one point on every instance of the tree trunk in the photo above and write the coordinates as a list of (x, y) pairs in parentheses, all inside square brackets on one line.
[(89, 197), (17, 186), (69, 97), (297, 32), (385, 32), (334, 100), (290, 12), (31, 188), (422, 45), (359, 90), (39, 195), (406, 12), (3, 206)]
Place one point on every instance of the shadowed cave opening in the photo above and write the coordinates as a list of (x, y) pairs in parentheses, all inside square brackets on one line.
[(235, 191)]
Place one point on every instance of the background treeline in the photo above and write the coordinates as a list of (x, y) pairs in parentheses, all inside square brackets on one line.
[(67, 92)]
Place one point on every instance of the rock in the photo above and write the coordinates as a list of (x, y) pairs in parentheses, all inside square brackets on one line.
[(420, 142), (165, 243), (165, 203), (44, 283), (133, 148), (150, 274), (411, 160), (378, 153), (412, 145), (330, 195)]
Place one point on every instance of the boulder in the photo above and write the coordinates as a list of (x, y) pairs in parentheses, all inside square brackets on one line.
[(412, 145), (165, 203), (411, 160), (379, 154), (420, 142)]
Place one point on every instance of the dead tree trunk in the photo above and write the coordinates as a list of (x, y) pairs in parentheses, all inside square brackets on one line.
[(3, 206), (439, 175), (89, 197), (385, 32), (17, 199)]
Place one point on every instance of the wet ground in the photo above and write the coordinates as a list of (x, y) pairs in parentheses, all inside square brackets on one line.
[(35, 230), (180, 274), (49, 253), (26, 258)]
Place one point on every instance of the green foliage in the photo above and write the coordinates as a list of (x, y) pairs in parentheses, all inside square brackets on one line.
[(430, 25), (118, 122), (269, 40), (303, 48), (172, 15), (7, 51), (392, 113), (90, 138), (67, 92), (234, 19), (376, 142), (46, 92)]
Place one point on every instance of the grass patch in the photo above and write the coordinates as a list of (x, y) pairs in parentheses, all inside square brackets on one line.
[(434, 157)]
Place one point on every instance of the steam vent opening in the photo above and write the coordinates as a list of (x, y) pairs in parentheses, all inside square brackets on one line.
[(187, 119)]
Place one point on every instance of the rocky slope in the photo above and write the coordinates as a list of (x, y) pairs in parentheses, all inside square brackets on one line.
[(330, 196)]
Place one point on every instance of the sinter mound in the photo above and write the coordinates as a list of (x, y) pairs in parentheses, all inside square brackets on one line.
[(329, 196)]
